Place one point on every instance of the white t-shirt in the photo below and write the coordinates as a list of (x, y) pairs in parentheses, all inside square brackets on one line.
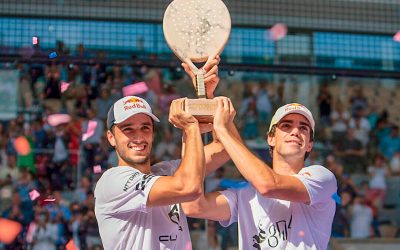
[(267, 223), (378, 177), (340, 125), (124, 220), (361, 221)]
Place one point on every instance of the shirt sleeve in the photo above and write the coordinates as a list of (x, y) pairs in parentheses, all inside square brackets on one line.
[(123, 190), (231, 195), (319, 182), (166, 168)]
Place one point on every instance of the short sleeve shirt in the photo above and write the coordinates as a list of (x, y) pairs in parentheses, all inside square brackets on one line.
[(268, 223), (125, 222)]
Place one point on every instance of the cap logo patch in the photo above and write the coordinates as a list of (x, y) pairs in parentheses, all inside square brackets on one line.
[(132, 103), (294, 106)]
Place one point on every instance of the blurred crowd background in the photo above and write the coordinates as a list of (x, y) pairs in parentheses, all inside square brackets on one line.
[(74, 58)]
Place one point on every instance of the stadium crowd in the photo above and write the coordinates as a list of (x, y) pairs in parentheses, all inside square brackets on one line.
[(356, 142)]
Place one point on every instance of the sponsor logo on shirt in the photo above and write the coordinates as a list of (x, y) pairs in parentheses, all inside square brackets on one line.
[(141, 185), (175, 218), (129, 181), (275, 233)]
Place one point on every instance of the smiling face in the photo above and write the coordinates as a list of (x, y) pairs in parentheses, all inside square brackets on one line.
[(133, 140), (292, 137)]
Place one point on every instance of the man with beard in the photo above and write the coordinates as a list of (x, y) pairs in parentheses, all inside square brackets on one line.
[(288, 206)]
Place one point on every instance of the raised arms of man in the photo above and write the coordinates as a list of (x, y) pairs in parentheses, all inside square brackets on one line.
[(186, 183), (265, 180), (215, 154), (214, 206)]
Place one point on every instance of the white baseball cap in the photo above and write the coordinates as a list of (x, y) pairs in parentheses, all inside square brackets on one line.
[(127, 107), (292, 108)]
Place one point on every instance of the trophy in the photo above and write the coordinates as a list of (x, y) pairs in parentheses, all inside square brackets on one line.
[(197, 31)]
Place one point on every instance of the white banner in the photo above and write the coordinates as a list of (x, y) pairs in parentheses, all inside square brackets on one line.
[(9, 80)]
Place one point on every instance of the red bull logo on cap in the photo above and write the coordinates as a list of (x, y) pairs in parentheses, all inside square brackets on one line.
[(133, 102), (294, 106)]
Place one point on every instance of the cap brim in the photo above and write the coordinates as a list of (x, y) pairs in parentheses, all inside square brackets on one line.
[(146, 113)]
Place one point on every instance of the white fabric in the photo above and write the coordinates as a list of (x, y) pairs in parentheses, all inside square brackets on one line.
[(60, 150), (45, 238), (360, 221), (125, 222), (395, 164), (340, 121), (378, 177), (292, 108), (266, 223), (129, 106), (362, 132)]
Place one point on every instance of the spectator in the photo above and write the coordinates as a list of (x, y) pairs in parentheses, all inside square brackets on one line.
[(341, 222), (358, 100), (324, 101), (90, 228), (81, 192), (314, 159), (10, 171), (263, 104), (61, 49), (352, 153), (25, 90), (361, 219), (395, 164), (14, 213), (390, 145), (340, 122), (377, 183), (248, 114), (361, 127), (166, 149), (45, 233), (165, 100), (103, 103), (74, 130), (24, 185), (93, 139), (74, 225), (57, 171), (8, 177), (209, 240), (52, 91)]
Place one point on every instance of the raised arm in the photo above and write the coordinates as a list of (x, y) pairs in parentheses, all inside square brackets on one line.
[(187, 182), (211, 206), (254, 170), (215, 154)]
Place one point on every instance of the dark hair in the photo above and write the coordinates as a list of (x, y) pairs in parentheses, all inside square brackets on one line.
[(271, 133)]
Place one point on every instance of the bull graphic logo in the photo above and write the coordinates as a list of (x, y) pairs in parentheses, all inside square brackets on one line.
[(260, 237), (294, 106), (132, 100), (132, 103), (174, 216)]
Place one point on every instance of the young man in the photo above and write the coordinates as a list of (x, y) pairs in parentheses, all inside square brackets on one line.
[(288, 206), (137, 205)]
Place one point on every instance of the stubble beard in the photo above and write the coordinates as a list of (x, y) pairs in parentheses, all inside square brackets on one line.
[(139, 161)]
